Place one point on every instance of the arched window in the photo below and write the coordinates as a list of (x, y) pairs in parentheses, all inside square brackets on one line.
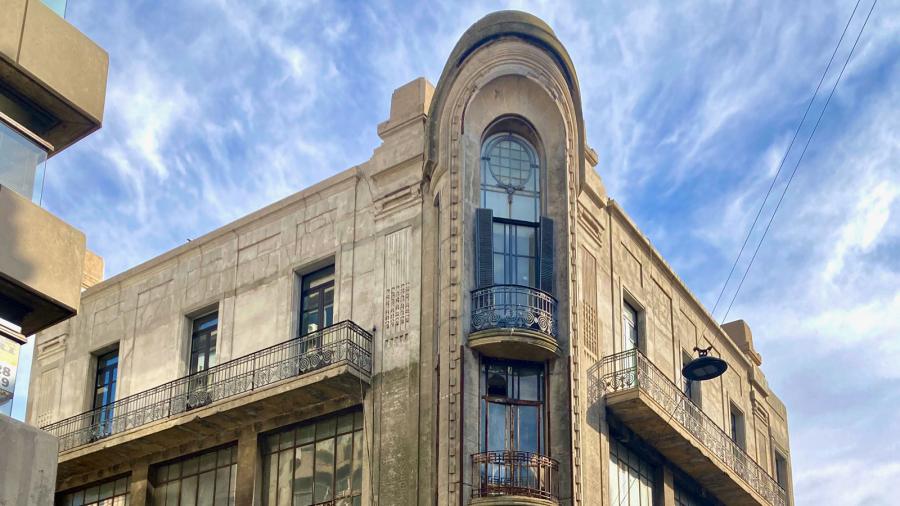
[(510, 178), (511, 194)]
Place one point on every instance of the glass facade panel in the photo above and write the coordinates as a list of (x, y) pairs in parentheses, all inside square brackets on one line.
[(206, 479), (319, 462), (112, 492), (631, 478), (22, 164)]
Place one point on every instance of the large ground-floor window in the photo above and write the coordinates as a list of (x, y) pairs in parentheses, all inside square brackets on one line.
[(204, 479), (630, 477), (315, 463), (112, 492)]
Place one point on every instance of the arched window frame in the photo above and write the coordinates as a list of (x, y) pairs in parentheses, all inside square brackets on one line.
[(523, 197)]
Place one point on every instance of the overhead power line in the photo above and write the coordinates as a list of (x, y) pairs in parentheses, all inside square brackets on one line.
[(783, 158), (794, 171)]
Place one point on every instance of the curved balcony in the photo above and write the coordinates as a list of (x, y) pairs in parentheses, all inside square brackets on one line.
[(513, 321), (509, 477)]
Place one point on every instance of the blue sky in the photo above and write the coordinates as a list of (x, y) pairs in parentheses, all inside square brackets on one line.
[(216, 108)]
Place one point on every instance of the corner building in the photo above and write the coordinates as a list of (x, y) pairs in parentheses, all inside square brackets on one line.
[(465, 318)]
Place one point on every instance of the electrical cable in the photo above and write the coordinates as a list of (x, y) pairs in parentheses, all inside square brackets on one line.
[(797, 165), (783, 159)]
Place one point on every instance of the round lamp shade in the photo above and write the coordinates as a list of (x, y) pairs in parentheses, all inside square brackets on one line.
[(704, 368)]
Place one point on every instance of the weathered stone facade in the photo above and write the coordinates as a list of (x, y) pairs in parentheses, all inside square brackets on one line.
[(400, 231)]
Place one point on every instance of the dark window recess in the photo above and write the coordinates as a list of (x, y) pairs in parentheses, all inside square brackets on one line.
[(112, 492), (737, 427), (105, 391), (781, 469), (316, 300)]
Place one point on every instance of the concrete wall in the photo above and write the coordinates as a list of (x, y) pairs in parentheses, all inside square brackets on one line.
[(28, 466)]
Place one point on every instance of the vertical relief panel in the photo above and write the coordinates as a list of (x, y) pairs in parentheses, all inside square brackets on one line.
[(396, 436), (589, 302), (396, 284)]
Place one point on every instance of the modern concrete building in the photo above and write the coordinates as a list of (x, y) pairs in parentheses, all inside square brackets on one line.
[(465, 318), (52, 92)]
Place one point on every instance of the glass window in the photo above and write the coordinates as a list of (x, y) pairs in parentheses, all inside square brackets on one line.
[(631, 477), (781, 469), (22, 163), (317, 300), (203, 479), (629, 326), (105, 390), (515, 254), (512, 404), (737, 426), (317, 462), (113, 492), (203, 342), (510, 178)]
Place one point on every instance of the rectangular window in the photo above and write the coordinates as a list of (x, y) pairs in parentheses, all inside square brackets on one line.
[(206, 478), (204, 333), (112, 492), (512, 405), (781, 469), (317, 462), (316, 300), (515, 254), (630, 335), (630, 477), (105, 391), (737, 427)]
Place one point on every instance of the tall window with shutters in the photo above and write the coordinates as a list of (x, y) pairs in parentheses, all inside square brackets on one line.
[(514, 242)]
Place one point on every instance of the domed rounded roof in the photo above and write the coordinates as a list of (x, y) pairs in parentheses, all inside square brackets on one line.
[(509, 23)]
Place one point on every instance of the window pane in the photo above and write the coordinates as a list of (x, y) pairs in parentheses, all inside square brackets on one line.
[(325, 428), (524, 207), (172, 494), (356, 484), (343, 465), (496, 427), (303, 475), (206, 489), (306, 434), (527, 430), (324, 476), (91, 495), (222, 476), (189, 491), (284, 477)]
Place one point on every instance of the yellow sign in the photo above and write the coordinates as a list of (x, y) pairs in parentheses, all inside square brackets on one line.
[(9, 360)]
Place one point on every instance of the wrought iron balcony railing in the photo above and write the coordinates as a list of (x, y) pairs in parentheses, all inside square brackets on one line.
[(630, 369), (513, 306), (511, 473), (343, 342)]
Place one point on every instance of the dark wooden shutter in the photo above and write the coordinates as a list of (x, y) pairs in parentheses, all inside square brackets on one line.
[(484, 247), (546, 254)]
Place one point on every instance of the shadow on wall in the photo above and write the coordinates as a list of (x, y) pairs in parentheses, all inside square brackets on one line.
[(596, 401)]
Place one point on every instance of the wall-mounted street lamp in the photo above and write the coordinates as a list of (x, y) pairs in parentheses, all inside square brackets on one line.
[(704, 367)]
